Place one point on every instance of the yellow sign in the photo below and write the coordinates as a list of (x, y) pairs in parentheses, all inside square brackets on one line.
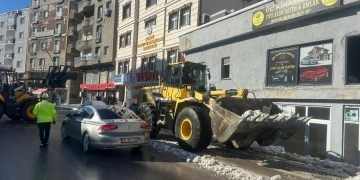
[(289, 9), (150, 42)]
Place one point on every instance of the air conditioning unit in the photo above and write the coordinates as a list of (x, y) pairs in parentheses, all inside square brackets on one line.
[(205, 18), (107, 12), (220, 14)]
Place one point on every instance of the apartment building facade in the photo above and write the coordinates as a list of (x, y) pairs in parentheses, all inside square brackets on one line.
[(52, 41), (148, 38), (13, 39), (97, 47)]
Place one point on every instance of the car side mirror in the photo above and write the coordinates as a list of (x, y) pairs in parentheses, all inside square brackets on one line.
[(69, 115)]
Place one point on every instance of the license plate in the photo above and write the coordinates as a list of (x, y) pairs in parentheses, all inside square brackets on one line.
[(128, 140)]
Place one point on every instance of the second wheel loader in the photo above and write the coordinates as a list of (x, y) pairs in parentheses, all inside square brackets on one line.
[(195, 111), (15, 100)]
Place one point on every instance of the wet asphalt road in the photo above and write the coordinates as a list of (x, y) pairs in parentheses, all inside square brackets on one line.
[(22, 159)]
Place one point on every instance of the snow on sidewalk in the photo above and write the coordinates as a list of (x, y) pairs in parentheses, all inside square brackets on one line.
[(210, 163)]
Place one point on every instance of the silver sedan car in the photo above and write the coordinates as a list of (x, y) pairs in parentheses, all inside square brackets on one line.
[(106, 127)]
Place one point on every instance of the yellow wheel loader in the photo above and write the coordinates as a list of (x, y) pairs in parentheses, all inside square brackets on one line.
[(15, 100), (195, 111)]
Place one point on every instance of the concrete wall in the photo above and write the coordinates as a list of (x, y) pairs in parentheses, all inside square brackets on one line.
[(247, 49)]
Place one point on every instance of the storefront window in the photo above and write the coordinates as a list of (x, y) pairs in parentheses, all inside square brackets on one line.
[(103, 75), (95, 77), (89, 77), (111, 74)]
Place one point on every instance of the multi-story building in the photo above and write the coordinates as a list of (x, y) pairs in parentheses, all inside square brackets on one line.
[(98, 47), (291, 58), (148, 36), (52, 41), (13, 39)]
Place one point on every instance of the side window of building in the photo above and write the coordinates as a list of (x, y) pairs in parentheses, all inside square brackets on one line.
[(126, 11), (352, 61), (225, 68), (2, 24), (150, 3), (173, 21), (301, 65)]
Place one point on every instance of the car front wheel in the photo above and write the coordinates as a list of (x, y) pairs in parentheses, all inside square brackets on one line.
[(64, 132)]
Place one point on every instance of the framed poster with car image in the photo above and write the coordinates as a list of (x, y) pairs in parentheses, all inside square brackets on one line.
[(316, 64), (282, 67)]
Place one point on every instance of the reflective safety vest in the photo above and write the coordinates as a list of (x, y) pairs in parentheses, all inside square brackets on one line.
[(45, 112)]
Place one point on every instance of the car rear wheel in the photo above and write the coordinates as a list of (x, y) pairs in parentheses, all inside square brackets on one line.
[(64, 132), (86, 143)]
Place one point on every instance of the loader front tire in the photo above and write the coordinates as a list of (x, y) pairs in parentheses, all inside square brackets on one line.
[(193, 129), (147, 112), (27, 111)]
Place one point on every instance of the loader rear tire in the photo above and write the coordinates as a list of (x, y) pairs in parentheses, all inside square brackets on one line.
[(147, 112), (193, 129), (26, 111)]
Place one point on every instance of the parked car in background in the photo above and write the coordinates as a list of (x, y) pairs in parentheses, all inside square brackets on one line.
[(309, 61), (317, 73), (106, 127), (283, 76)]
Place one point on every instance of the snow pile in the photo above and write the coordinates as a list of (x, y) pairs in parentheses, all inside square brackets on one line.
[(337, 168), (279, 149), (355, 177), (210, 163)]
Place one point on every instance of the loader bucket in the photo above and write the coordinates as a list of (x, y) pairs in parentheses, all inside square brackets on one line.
[(243, 121)]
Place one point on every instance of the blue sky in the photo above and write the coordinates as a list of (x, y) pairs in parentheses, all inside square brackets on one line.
[(10, 5)]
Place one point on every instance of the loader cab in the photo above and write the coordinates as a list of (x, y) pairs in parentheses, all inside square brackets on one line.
[(188, 73)]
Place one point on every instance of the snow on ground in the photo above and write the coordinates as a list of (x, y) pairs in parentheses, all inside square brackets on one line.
[(336, 167), (210, 163)]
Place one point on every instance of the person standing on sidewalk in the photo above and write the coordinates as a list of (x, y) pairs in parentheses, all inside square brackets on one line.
[(46, 114)]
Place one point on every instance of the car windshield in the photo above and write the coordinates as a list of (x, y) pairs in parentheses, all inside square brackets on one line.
[(108, 114)]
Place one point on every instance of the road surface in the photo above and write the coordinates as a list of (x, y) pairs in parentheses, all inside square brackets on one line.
[(22, 159)]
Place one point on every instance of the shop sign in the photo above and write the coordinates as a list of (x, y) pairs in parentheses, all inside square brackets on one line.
[(283, 67), (97, 87), (289, 9), (150, 42), (147, 76), (121, 78)]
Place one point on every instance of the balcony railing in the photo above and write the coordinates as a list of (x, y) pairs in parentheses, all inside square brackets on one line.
[(86, 57), (10, 40), (11, 27), (44, 33)]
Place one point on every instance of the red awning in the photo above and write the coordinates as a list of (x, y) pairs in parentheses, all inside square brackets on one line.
[(98, 87), (39, 91)]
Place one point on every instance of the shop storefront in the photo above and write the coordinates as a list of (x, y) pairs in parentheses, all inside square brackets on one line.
[(285, 52), (103, 92)]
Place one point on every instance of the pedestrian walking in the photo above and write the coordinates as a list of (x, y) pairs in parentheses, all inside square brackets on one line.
[(46, 114)]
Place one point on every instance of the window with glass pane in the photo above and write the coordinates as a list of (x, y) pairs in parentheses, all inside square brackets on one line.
[(58, 28), (43, 45), (106, 50), (172, 56), (57, 45), (32, 63), (108, 5), (126, 11), (173, 21), (18, 64), (322, 113), (121, 68), (144, 65), (42, 62), (20, 49), (21, 34), (1, 37), (225, 68), (126, 67), (55, 61), (150, 22), (33, 47), (150, 3), (59, 11), (97, 50), (122, 41), (185, 16), (46, 13), (2, 24), (22, 20), (103, 75), (100, 12), (152, 64), (128, 39)]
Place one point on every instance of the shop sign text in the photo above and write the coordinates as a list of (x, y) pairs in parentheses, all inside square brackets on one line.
[(289, 9), (147, 76), (150, 42)]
